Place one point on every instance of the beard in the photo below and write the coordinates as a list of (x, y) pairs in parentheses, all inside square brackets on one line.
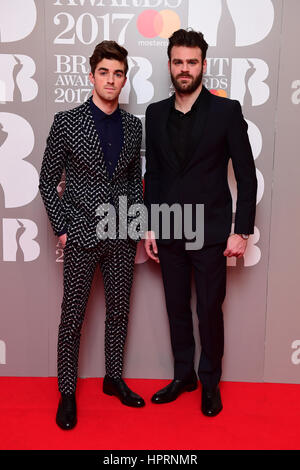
[(186, 89)]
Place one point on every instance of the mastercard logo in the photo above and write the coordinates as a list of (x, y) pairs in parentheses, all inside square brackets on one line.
[(219, 93), (152, 23)]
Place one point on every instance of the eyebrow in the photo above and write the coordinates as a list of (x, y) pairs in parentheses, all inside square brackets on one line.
[(194, 58), (106, 70)]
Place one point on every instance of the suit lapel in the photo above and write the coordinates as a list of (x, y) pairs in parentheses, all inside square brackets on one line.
[(96, 156), (126, 152), (164, 134), (90, 135), (198, 128)]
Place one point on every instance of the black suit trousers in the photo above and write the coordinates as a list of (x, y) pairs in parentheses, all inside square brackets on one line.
[(208, 266), (116, 260)]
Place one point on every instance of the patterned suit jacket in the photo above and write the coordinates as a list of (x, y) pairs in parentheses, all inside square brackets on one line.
[(73, 144)]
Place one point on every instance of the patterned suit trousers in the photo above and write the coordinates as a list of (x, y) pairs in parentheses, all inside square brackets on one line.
[(116, 260)]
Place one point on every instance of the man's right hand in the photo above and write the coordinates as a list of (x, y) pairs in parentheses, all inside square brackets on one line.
[(150, 246), (63, 239)]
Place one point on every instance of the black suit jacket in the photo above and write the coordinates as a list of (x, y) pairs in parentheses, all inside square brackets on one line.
[(73, 144), (219, 132)]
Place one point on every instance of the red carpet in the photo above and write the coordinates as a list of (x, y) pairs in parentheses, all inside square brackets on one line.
[(255, 417)]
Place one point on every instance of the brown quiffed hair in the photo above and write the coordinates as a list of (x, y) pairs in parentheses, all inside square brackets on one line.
[(188, 38), (108, 50)]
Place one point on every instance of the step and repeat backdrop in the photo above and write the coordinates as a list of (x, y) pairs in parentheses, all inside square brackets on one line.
[(44, 65)]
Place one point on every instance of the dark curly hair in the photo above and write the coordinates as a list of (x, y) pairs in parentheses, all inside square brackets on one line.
[(188, 38), (108, 50)]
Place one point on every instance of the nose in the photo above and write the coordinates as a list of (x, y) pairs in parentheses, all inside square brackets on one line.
[(110, 78), (185, 67)]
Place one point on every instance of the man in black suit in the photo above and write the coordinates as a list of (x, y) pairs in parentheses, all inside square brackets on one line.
[(98, 145), (189, 140)]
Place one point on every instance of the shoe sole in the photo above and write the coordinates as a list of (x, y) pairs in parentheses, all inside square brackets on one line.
[(188, 388), (64, 428), (111, 394), (212, 415)]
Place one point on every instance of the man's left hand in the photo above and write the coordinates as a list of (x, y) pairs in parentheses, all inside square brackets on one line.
[(236, 246)]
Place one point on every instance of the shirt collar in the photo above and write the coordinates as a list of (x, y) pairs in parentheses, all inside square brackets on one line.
[(196, 104), (100, 115)]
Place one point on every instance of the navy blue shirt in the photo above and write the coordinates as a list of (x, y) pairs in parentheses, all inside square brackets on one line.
[(110, 131)]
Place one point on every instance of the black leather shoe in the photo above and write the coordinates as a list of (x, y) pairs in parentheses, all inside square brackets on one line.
[(211, 402), (66, 416), (118, 388), (174, 389)]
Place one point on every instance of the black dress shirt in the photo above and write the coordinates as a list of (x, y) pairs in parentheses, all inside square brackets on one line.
[(110, 131), (180, 127)]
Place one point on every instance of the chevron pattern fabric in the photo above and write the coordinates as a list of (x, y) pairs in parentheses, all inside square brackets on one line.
[(73, 145), (116, 260)]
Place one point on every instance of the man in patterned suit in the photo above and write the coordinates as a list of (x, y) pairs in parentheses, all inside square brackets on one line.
[(98, 145)]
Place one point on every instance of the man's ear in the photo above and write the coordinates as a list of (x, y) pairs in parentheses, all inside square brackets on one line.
[(204, 66), (92, 78)]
